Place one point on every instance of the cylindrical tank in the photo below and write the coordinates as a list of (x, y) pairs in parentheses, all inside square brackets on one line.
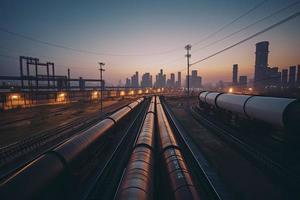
[(273, 110), (232, 102), (202, 96), (210, 98)]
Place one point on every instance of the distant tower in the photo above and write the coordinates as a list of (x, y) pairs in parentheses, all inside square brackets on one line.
[(137, 79), (284, 77), (243, 81), (234, 74), (298, 75), (261, 64), (179, 79), (292, 76)]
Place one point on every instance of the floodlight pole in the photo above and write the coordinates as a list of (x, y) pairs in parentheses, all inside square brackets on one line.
[(188, 55), (101, 85)]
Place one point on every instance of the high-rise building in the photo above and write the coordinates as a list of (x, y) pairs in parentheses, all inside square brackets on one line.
[(160, 79), (128, 83), (235, 74), (243, 81), (274, 76), (179, 80), (135, 80), (298, 75), (292, 76), (171, 81), (261, 64), (146, 80), (284, 77), (195, 80)]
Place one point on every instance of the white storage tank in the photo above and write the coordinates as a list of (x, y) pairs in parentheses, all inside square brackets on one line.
[(211, 98), (272, 110), (232, 102), (202, 96)]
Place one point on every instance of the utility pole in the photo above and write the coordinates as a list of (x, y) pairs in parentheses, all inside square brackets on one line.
[(188, 55), (101, 85)]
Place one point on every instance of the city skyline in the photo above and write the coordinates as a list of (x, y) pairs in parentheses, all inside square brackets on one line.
[(133, 30)]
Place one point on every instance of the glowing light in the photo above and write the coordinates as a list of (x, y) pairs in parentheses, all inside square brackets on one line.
[(158, 90), (14, 97), (62, 95), (147, 91), (131, 92), (162, 89), (122, 93), (250, 89), (230, 90), (95, 95), (140, 91)]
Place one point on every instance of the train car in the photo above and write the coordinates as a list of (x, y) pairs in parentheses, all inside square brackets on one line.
[(279, 112)]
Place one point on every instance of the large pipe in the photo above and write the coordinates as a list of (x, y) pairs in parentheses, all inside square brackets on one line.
[(137, 182), (178, 173), (33, 178)]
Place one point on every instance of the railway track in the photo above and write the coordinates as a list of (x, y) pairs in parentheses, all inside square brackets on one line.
[(284, 176), (17, 154)]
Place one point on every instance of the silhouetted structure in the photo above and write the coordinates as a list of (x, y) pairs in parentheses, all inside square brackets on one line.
[(273, 78), (261, 64), (292, 76), (243, 81), (135, 80), (298, 75), (195, 80), (36, 77), (160, 79), (146, 80), (284, 77), (179, 80), (234, 74), (171, 81), (128, 82)]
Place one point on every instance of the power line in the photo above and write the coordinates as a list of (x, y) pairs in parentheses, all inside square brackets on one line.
[(230, 23), (51, 44), (30, 38), (250, 25), (222, 28), (250, 37)]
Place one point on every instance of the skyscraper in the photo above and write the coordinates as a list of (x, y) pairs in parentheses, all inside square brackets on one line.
[(298, 75), (261, 64), (243, 81), (284, 77), (160, 79), (172, 80), (234, 74), (292, 76), (146, 80), (195, 80), (128, 83), (179, 80), (135, 80)]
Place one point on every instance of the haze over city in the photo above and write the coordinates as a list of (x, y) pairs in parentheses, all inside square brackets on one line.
[(144, 36)]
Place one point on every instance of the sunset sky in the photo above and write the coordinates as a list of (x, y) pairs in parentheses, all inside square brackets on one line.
[(144, 36)]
